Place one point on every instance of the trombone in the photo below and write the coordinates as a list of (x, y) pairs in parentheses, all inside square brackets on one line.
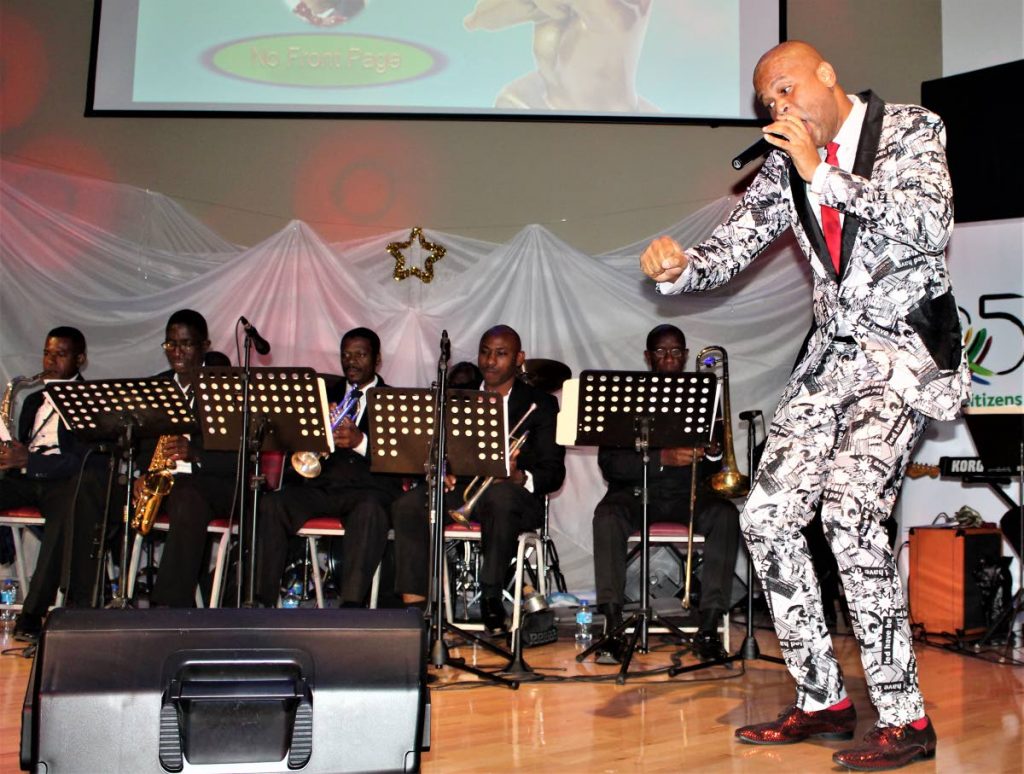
[(728, 481), (471, 496)]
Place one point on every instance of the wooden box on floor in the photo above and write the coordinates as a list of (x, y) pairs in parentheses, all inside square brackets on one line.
[(944, 594)]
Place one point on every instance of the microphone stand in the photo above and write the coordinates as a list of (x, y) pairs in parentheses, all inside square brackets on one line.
[(437, 648), (749, 650), (126, 441), (246, 579)]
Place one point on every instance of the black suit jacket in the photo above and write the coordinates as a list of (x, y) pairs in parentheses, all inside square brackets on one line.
[(540, 455), (207, 463), (347, 468), (62, 465), (624, 469)]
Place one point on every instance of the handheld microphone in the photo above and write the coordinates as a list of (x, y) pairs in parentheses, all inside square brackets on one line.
[(749, 416), (259, 343), (758, 149)]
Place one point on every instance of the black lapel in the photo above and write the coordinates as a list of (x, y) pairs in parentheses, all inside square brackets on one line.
[(808, 220), (29, 409), (863, 164), (518, 402)]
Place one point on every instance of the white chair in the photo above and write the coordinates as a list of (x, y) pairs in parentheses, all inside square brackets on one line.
[(20, 519), (677, 537), (329, 526), (529, 543), (217, 529)]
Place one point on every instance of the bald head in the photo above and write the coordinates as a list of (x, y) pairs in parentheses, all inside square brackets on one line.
[(796, 52), (794, 79)]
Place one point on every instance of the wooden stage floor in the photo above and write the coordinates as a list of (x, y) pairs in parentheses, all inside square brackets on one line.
[(574, 721)]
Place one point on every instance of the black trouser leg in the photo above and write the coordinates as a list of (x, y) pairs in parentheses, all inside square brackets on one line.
[(504, 511), (282, 514), (612, 527), (718, 521), (411, 522), (365, 516), (193, 503)]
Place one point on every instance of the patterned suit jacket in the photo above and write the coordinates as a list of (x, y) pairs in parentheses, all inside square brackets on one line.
[(892, 291)]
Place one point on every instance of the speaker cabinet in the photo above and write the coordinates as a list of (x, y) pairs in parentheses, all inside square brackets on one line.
[(227, 691), (945, 596)]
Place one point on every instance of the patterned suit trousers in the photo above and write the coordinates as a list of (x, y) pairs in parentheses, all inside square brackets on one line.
[(845, 438)]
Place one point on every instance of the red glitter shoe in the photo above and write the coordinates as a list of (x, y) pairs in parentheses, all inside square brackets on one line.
[(890, 747), (795, 725)]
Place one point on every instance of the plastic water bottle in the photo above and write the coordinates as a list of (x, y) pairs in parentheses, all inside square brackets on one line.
[(8, 597), (584, 620), (293, 597)]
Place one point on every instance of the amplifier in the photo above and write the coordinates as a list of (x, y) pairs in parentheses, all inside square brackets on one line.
[(945, 564)]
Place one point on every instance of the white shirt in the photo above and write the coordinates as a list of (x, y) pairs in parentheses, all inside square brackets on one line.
[(181, 466), (364, 445), (528, 481), (848, 138), (44, 437)]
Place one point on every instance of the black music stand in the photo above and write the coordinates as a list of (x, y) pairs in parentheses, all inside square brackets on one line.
[(749, 650), (123, 411), (288, 411), (646, 411), (999, 439), (474, 442)]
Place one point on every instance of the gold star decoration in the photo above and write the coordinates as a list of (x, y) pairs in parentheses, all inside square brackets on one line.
[(435, 253)]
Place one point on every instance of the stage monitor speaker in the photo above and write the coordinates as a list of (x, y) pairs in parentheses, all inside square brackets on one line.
[(946, 565), (227, 691)]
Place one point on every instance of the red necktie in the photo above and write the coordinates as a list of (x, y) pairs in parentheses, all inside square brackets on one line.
[(829, 217)]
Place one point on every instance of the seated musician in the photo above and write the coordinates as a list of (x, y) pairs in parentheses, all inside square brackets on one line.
[(42, 465), (345, 488), (204, 481), (506, 508), (620, 511)]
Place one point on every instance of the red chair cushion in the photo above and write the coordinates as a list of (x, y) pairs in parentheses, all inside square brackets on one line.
[(24, 512), (319, 523), (666, 529)]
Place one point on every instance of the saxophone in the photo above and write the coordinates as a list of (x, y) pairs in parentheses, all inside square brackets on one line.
[(156, 485), (16, 384)]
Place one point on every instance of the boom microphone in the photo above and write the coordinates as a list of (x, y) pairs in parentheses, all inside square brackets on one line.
[(260, 344)]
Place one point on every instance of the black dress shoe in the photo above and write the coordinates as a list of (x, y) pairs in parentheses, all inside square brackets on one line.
[(493, 613), (28, 627), (708, 647)]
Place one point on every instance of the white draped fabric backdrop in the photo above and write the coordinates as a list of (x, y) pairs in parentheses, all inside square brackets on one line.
[(116, 261)]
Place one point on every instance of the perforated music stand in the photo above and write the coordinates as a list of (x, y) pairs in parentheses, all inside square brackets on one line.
[(123, 411), (288, 410), (402, 435), (646, 411)]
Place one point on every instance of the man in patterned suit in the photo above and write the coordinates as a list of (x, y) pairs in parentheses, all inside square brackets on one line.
[(884, 356)]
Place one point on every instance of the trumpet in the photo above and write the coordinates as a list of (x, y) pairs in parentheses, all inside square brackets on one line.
[(471, 495), (307, 463)]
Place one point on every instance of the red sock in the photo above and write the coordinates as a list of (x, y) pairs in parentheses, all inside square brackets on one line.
[(841, 705), (920, 724)]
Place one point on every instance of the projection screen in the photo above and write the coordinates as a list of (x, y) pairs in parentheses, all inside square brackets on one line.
[(633, 60)]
